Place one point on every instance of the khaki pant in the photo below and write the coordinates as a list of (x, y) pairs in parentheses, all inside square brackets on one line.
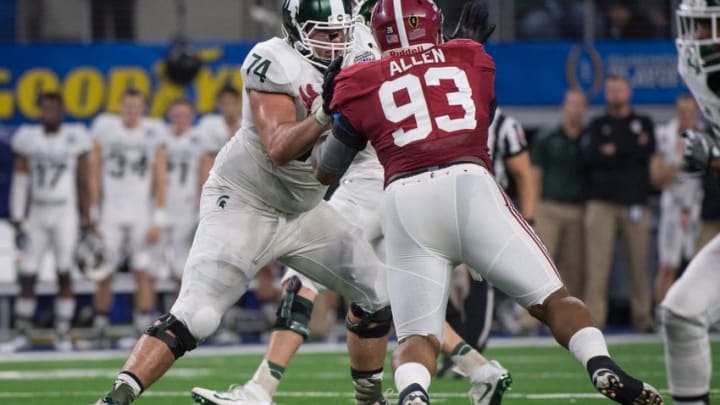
[(603, 222), (560, 227), (708, 231)]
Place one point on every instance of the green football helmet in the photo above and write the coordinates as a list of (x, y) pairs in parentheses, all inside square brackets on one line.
[(320, 30), (363, 8)]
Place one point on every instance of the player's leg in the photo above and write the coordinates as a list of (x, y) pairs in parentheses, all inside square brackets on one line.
[(670, 244), (143, 259), (222, 260), (289, 333), (636, 241), (514, 260), (599, 242), (65, 237), (37, 242), (342, 260), (689, 309), (113, 243), (419, 252)]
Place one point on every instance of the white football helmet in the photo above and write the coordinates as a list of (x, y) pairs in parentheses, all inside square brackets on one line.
[(90, 257), (698, 45)]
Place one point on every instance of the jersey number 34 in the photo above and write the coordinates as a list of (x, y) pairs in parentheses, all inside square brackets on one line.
[(418, 108)]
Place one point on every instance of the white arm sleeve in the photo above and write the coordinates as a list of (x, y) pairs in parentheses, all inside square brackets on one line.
[(19, 191)]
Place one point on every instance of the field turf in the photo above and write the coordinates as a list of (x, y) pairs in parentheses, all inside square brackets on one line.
[(543, 375)]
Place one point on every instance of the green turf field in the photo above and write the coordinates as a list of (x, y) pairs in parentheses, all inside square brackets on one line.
[(543, 375)]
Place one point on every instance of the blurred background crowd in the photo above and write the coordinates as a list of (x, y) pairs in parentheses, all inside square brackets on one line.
[(596, 174)]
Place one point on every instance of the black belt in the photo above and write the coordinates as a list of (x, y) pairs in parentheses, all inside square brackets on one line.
[(431, 169)]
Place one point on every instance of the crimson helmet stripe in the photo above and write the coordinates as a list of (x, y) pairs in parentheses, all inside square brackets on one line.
[(400, 23)]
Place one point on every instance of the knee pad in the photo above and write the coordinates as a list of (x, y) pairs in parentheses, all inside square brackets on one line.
[(27, 282), (382, 320), (294, 311), (179, 342)]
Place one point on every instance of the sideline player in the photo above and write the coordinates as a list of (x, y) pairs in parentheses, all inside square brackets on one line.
[(681, 199), (263, 203), (219, 128), (130, 162), (50, 182), (186, 148), (691, 306), (357, 199), (442, 206)]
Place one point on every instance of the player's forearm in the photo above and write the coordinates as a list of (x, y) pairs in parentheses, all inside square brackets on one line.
[(292, 140), (84, 188), (160, 179), (19, 191), (95, 175)]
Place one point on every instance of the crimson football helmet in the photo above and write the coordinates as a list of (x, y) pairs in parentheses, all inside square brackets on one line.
[(402, 24)]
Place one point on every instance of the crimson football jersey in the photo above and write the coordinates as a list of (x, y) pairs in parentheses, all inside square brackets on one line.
[(421, 109)]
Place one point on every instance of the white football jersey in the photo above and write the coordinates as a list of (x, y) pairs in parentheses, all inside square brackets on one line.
[(506, 138), (216, 131), (366, 164), (183, 183), (128, 157), (273, 66), (53, 163), (686, 191)]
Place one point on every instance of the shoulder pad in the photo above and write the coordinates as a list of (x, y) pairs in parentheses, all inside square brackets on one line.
[(271, 66), (22, 140)]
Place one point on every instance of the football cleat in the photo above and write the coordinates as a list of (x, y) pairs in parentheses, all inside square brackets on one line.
[(494, 381), (248, 394), (416, 398), (17, 344), (106, 401), (625, 389)]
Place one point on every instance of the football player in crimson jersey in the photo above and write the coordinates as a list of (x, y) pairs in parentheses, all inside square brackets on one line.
[(442, 206)]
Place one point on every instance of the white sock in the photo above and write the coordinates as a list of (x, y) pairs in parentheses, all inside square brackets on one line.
[(24, 313), (267, 378), (412, 373), (127, 379), (469, 362), (64, 311), (588, 343)]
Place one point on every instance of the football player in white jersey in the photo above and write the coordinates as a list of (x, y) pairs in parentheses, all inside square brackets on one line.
[(263, 203), (50, 182), (681, 199), (186, 149), (691, 306), (219, 128), (131, 162), (357, 199)]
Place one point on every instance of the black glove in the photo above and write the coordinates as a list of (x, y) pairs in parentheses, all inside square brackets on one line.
[(21, 236), (473, 22), (323, 115), (700, 149)]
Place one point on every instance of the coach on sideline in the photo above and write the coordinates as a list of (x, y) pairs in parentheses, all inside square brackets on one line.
[(617, 149)]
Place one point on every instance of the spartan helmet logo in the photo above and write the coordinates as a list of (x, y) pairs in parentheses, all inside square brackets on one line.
[(222, 201), (413, 21)]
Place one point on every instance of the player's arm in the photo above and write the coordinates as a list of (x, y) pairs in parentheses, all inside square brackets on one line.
[(285, 139), (84, 179), (520, 168), (333, 156), (206, 163), (159, 189), (95, 174), (701, 152), (20, 189), (662, 172)]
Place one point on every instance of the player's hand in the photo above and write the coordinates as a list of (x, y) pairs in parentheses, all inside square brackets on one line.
[(473, 22), (700, 149), (153, 235), (21, 236), (323, 115)]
